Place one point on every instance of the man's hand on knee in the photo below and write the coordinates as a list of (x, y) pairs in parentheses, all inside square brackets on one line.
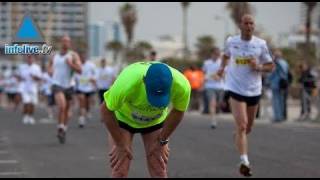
[(119, 155), (160, 154)]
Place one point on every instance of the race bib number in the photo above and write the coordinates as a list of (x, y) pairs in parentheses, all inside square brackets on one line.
[(145, 113), (144, 119), (84, 80), (242, 60)]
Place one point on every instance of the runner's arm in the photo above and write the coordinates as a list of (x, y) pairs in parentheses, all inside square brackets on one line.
[(94, 77), (268, 64), (171, 123), (75, 62), (36, 78), (224, 63), (50, 68), (19, 78), (111, 124), (268, 67)]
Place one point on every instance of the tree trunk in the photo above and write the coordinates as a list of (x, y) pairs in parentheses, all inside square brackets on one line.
[(308, 27), (115, 56)]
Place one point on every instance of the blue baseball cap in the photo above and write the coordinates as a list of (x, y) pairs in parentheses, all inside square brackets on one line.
[(158, 82)]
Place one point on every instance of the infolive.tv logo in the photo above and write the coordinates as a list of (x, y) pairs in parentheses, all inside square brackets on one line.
[(26, 49), (28, 40)]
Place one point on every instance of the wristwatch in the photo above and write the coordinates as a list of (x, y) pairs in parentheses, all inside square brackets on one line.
[(163, 142)]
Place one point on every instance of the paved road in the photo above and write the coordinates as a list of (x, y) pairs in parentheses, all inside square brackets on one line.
[(277, 150)]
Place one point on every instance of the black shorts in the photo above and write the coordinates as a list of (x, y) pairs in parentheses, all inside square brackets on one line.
[(86, 94), (101, 93), (11, 96), (67, 92), (139, 130), (250, 101), (50, 99)]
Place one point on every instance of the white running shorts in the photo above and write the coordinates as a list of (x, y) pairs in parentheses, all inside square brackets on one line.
[(29, 98)]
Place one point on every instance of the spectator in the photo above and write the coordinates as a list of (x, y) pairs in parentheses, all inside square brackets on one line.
[(279, 86), (153, 56), (195, 77), (308, 83)]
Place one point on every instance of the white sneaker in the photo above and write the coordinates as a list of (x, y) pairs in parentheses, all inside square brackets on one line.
[(82, 121), (245, 169), (25, 119), (32, 121), (63, 127), (61, 135), (214, 123)]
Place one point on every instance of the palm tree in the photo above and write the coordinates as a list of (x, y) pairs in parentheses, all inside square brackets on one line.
[(139, 51), (237, 10), (310, 7), (116, 47), (142, 48), (81, 45), (204, 46), (185, 6), (128, 14)]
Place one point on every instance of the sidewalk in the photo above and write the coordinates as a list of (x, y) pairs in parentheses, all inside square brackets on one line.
[(294, 109), (266, 114)]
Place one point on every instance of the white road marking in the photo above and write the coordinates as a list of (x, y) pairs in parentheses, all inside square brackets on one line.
[(11, 173), (46, 121), (9, 162)]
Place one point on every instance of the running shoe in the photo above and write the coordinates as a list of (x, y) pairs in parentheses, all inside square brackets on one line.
[(245, 170)]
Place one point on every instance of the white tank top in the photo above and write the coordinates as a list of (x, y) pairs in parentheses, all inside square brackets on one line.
[(62, 72)]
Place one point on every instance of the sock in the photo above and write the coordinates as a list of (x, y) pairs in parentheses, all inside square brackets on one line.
[(214, 121), (82, 120), (244, 159), (62, 126), (25, 118), (31, 119)]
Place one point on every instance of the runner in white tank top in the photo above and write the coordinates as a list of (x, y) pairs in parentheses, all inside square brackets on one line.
[(62, 72), (61, 67), (249, 57)]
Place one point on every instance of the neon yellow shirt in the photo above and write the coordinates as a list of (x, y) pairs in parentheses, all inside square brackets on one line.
[(128, 99)]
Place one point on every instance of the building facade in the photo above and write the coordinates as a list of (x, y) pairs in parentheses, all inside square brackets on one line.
[(54, 19)]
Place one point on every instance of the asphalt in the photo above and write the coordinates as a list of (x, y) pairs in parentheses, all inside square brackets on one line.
[(286, 150)]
